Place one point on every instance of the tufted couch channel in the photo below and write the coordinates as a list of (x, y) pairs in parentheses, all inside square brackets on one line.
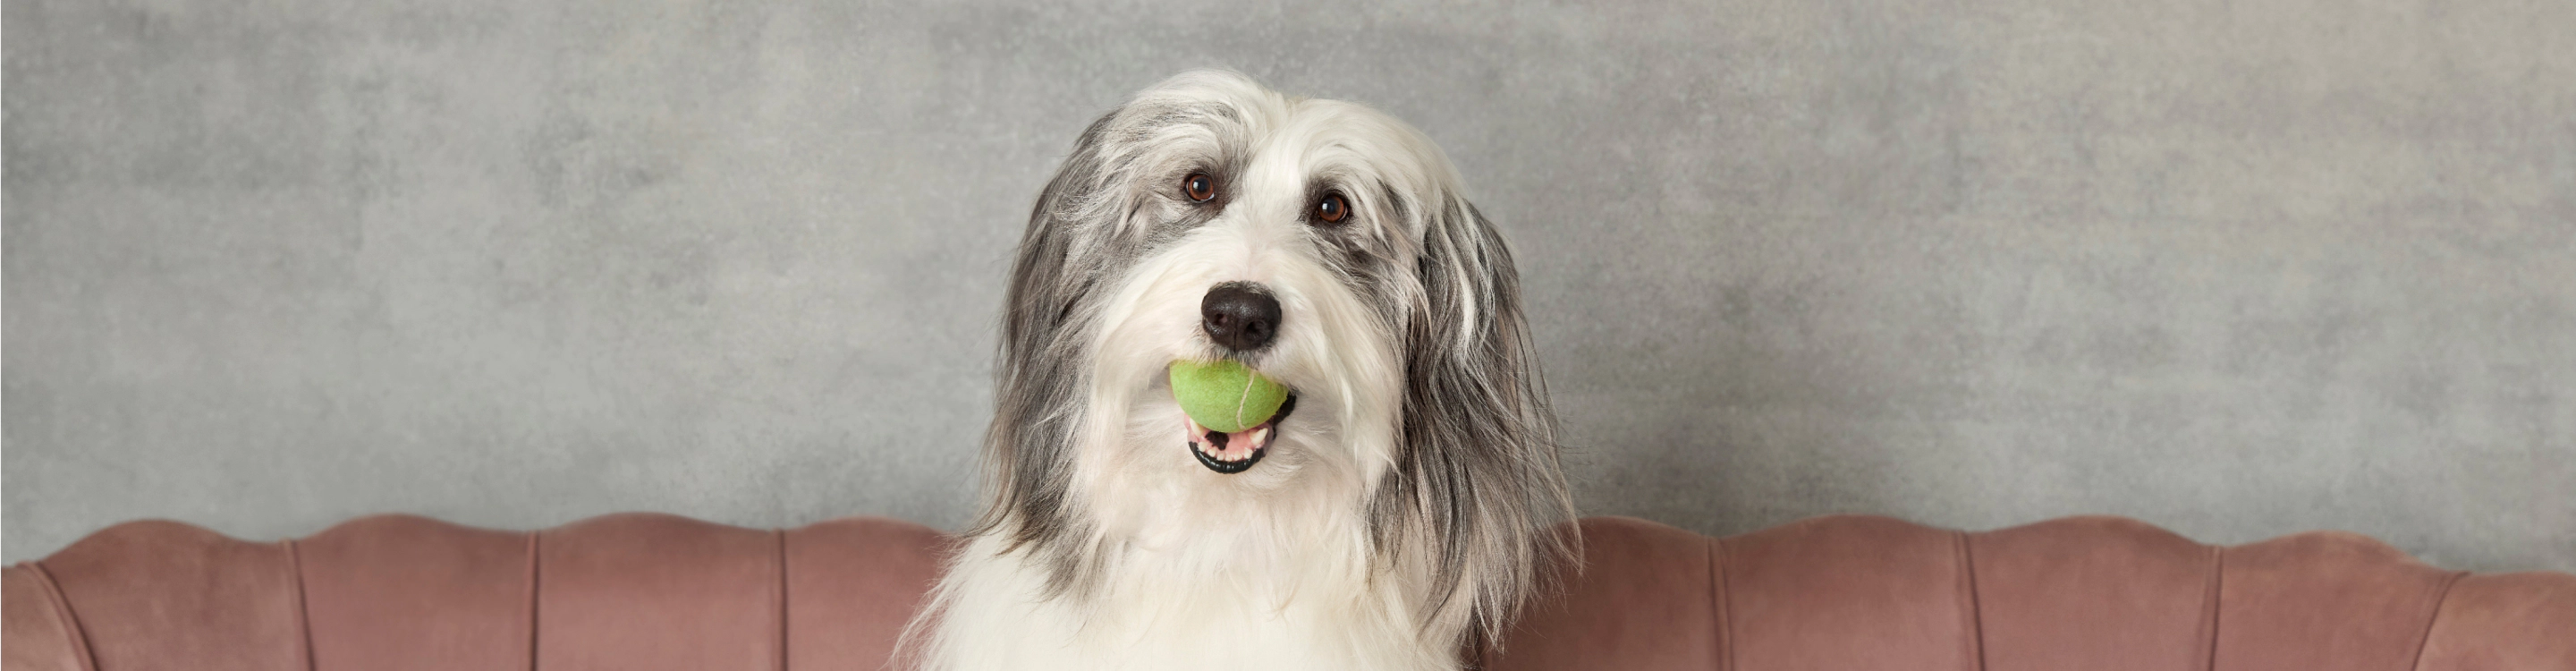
[(648, 591)]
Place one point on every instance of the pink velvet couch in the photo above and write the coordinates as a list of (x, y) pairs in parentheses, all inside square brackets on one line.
[(644, 591)]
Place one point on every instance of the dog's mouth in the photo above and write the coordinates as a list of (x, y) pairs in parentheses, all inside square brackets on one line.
[(1236, 452)]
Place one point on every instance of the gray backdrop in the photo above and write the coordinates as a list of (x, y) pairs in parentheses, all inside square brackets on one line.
[(2237, 268)]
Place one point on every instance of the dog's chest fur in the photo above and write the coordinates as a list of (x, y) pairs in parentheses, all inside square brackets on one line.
[(1178, 609)]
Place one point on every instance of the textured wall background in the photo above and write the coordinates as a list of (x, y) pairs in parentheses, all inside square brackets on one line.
[(2239, 268)]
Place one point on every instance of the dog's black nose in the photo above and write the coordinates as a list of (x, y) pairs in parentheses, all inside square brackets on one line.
[(1240, 316)]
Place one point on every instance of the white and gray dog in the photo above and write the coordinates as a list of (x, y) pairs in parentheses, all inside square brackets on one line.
[(1398, 518)]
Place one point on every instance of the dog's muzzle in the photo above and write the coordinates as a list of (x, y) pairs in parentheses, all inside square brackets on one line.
[(1238, 317)]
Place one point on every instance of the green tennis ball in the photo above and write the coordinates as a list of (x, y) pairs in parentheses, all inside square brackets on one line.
[(1224, 395)]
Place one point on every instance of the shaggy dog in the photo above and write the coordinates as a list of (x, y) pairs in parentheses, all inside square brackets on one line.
[(1392, 515)]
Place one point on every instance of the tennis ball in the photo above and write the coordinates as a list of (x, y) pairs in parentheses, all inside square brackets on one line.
[(1224, 395)]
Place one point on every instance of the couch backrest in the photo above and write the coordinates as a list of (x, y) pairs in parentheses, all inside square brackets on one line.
[(627, 592), (642, 591), (2095, 593)]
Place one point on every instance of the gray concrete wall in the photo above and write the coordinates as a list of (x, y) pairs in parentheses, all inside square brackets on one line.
[(2237, 268)]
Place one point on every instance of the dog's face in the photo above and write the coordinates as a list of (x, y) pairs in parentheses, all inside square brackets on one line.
[(1323, 245)]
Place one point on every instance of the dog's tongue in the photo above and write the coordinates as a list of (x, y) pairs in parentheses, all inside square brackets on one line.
[(1229, 447)]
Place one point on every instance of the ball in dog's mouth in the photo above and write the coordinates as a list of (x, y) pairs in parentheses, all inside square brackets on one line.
[(1235, 452)]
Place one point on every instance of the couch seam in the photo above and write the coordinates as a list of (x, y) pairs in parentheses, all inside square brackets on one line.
[(533, 559), (1719, 602), (2212, 603), (1976, 607), (2440, 599), (780, 586), (303, 603), (62, 606)]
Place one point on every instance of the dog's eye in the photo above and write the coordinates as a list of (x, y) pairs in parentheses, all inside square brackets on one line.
[(1332, 209), (1199, 187)]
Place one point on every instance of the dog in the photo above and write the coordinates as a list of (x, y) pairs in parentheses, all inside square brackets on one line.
[(1394, 513)]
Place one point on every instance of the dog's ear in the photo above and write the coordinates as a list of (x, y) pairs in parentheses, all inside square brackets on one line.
[(1477, 491), (1028, 459)]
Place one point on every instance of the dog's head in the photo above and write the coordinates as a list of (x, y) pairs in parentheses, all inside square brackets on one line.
[(1327, 247)]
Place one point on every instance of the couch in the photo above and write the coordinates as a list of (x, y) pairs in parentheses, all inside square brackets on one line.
[(649, 591)]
